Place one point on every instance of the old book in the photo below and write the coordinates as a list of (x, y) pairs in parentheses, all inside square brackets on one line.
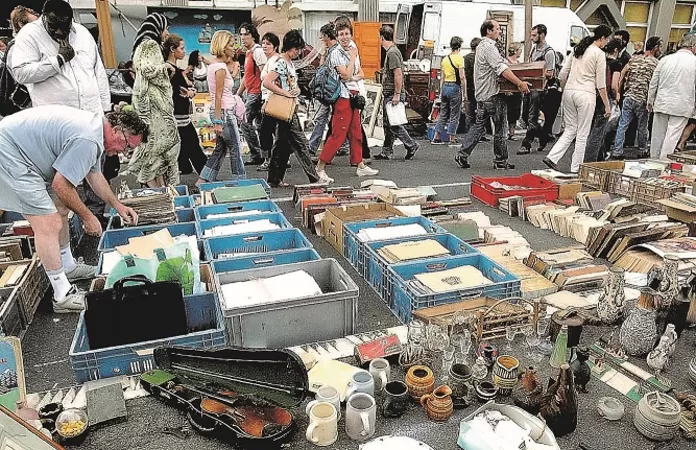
[(6, 275), (581, 274), (17, 274), (453, 279), (427, 248)]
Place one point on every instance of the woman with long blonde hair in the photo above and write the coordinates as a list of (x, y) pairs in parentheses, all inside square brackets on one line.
[(225, 111)]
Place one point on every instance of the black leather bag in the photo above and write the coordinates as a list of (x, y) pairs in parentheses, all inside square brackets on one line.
[(357, 101)]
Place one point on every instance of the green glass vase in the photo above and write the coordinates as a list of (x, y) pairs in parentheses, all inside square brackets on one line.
[(560, 349)]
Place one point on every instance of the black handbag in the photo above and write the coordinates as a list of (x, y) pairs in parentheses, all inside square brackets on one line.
[(357, 101), (143, 311)]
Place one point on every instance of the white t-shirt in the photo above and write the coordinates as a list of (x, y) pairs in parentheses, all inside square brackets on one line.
[(355, 85), (268, 67)]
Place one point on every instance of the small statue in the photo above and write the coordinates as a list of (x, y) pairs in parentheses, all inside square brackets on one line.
[(658, 359), (671, 334), (581, 369)]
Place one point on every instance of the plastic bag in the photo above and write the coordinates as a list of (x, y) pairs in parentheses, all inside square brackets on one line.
[(396, 114), (615, 112)]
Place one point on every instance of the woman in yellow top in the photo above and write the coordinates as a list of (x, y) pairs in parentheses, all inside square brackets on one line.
[(452, 88)]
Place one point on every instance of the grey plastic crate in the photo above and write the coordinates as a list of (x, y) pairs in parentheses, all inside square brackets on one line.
[(331, 315)]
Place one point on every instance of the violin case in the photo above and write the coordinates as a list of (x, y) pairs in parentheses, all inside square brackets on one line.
[(251, 391)]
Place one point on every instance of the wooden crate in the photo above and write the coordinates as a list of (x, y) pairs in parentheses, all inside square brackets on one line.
[(31, 287), (596, 175), (533, 73)]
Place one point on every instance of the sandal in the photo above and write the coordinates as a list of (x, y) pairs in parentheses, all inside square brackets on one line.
[(282, 184)]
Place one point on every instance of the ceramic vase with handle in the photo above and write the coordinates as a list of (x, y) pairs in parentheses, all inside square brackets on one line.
[(323, 424), (460, 382), (639, 331), (559, 406), (379, 369), (438, 405), (611, 303), (505, 373), (361, 416), (420, 381)]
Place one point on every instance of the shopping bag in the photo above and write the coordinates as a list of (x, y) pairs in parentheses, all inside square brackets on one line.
[(396, 114)]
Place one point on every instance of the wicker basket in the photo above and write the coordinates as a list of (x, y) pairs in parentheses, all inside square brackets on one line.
[(596, 175)]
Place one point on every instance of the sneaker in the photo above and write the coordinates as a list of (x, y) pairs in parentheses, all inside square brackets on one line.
[(437, 142), (504, 165), (412, 152), (526, 149), (453, 143), (382, 157), (485, 139), (550, 164), (81, 271), (462, 162), (263, 167), (365, 161), (324, 178), (366, 172), (254, 162), (74, 302)]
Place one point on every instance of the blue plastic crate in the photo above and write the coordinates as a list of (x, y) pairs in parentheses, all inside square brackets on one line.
[(270, 241), (182, 190), (405, 295), (114, 238), (202, 212), (354, 250), (235, 183), (206, 330), (376, 266), (183, 202), (183, 216), (265, 260), (208, 224)]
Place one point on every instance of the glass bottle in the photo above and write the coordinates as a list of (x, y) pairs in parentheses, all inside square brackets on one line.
[(479, 371), (560, 349)]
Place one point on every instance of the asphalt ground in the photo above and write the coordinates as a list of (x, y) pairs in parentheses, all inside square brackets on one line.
[(47, 342)]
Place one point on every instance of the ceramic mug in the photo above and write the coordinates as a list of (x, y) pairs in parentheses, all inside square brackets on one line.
[(379, 369), (323, 424), (361, 382), (361, 416), (329, 394), (396, 398)]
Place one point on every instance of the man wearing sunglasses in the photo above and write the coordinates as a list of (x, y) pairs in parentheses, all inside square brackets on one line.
[(45, 153)]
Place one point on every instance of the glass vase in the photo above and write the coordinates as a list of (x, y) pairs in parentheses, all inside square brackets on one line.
[(560, 349)]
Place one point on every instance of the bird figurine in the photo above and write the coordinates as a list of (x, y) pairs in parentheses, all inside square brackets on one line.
[(581, 369), (658, 358), (671, 334), (559, 406)]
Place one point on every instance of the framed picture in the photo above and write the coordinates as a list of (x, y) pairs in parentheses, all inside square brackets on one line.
[(373, 106), (16, 434)]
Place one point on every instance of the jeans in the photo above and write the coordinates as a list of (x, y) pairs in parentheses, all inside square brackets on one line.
[(632, 109), (191, 156), (602, 134), (321, 119), (290, 139), (390, 132), (534, 100), (578, 109), (226, 142), (252, 104), (494, 108), (450, 108), (345, 124), (267, 133)]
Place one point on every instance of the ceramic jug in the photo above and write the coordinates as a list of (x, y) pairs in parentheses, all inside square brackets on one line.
[(669, 286), (323, 424), (559, 406), (438, 405), (361, 381), (380, 370), (396, 398), (459, 381), (505, 373), (420, 381), (638, 333), (611, 302), (361, 416)]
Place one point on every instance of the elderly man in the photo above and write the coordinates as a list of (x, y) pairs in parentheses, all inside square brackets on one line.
[(672, 97), (55, 148), (488, 66)]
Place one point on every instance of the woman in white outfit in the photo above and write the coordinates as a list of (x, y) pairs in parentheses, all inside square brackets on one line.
[(581, 77)]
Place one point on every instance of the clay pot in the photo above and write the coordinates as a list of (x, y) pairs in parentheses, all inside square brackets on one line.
[(486, 391), (460, 377), (505, 373), (657, 416), (488, 352), (438, 405), (420, 381)]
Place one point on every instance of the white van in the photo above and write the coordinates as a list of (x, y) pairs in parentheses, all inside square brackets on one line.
[(426, 28)]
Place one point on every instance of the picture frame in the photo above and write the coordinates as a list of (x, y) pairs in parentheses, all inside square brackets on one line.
[(16, 434), (373, 107)]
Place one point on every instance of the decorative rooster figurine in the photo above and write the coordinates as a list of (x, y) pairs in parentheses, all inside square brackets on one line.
[(528, 392), (658, 359), (559, 406)]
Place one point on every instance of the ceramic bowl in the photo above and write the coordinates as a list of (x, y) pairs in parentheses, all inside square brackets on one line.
[(72, 426), (610, 408), (486, 391)]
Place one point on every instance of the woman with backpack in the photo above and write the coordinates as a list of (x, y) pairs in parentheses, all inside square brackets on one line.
[(227, 109), (451, 89), (582, 76), (282, 81)]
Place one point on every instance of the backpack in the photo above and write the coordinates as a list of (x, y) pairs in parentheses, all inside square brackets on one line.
[(14, 97), (557, 67), (326, 84)]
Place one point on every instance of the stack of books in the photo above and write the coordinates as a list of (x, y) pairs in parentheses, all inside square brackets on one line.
[(512, 206), (406, 251), (571, 268), (153, 205), (12, 274)]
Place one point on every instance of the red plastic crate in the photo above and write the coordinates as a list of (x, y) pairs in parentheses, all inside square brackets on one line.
[(481, 188)]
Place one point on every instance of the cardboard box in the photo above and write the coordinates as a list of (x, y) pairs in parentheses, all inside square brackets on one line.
[(569, 190), (678, 211), (334, 219)]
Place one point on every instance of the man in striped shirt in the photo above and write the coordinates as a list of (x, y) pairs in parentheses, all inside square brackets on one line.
[(489, 65)]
